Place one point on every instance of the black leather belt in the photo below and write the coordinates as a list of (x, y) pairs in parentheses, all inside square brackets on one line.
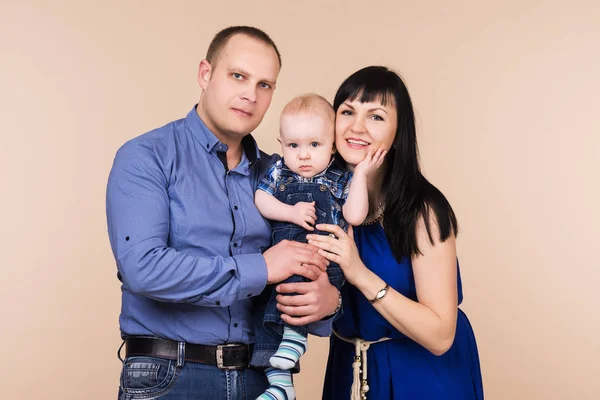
[(224, 356)]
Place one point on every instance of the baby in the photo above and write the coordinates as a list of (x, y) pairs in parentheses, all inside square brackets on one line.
[(303, 189)]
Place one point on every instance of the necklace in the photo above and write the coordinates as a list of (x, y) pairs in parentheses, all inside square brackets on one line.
[(376, 217)]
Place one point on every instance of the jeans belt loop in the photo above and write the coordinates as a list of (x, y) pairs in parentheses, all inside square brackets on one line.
[(119, 352), (181, 354)]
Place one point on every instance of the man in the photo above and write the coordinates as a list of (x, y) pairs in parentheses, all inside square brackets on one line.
[(187, 237)]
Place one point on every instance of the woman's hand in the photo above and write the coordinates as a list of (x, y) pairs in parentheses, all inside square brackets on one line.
[(341, 250), (371, 162)]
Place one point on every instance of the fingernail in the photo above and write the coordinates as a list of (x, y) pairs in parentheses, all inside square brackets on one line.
[(278, 288)]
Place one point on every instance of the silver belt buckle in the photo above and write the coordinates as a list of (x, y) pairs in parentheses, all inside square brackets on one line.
[(220, 348)]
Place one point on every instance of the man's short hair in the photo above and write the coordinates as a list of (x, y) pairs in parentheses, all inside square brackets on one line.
[(220, 40), (310, 103)]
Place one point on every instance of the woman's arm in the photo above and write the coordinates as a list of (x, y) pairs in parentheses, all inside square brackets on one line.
[(356, 207), (431, 321)]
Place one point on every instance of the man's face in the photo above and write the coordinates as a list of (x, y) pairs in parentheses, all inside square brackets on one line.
[(238, 89)]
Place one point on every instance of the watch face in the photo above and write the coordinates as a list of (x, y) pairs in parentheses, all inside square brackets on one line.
[(382, 293)]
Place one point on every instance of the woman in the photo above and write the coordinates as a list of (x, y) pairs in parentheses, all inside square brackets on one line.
[(403, 283)]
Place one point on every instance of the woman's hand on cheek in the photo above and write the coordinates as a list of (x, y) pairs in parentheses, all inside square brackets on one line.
[(372, 161), (341, 250)]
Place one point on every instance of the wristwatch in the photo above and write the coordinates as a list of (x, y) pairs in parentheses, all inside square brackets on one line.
[(380, 295)]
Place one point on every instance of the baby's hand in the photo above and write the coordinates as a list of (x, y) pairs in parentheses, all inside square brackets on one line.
[(304, 215), (371, 162)]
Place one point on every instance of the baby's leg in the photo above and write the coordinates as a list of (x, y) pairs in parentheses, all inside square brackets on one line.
[(292, 347), (280, 385)]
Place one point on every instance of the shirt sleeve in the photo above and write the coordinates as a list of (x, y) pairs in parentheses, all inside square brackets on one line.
[(138, 218), (346, 190), (268, 183), (324, 327)]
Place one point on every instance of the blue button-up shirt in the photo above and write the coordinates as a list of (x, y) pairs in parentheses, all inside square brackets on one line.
[(186, 235)]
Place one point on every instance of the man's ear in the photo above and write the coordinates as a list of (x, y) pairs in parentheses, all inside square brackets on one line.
[(204, 73), (279, 139), (333, 149)]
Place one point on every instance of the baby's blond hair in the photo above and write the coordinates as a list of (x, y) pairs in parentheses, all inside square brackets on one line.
[(310, 103)]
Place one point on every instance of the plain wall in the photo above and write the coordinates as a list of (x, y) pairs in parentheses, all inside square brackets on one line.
[(506, 95)]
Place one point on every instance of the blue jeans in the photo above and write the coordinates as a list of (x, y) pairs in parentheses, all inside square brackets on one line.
[(159, 378)]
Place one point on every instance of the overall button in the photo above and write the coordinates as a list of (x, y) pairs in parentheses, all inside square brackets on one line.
[(281, 187), (323, 188)]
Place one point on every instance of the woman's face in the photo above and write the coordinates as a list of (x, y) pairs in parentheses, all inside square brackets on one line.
[(360, 127)]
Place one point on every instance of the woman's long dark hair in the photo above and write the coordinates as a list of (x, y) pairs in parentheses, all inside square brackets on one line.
[(408, 195)]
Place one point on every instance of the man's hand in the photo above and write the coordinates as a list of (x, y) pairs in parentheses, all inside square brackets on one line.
[(289, 258), (314, 301), (304, 215)]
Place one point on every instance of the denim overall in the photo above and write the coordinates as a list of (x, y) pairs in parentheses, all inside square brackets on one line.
[(268, 326)]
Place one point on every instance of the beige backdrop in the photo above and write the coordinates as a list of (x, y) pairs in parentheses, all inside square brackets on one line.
[(507, 100)]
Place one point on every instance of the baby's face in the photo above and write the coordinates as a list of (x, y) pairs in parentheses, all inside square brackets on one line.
[(307, 143)]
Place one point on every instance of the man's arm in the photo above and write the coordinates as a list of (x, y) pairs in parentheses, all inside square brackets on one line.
[(137, 207)]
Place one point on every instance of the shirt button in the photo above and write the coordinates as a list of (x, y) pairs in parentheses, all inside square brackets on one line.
[(235, 245), (235, 325), (218, 303), (249, 295), (235, 207)]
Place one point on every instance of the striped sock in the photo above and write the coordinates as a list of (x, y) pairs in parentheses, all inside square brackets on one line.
[(281, 387), (291, 348)]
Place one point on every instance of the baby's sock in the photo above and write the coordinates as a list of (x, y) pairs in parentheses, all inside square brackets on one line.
[(281, 387), (291, 348)]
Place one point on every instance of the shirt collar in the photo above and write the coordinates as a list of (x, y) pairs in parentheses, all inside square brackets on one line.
[(210, 142)]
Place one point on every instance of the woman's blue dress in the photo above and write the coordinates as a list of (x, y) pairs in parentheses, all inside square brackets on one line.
[(398, 369)]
